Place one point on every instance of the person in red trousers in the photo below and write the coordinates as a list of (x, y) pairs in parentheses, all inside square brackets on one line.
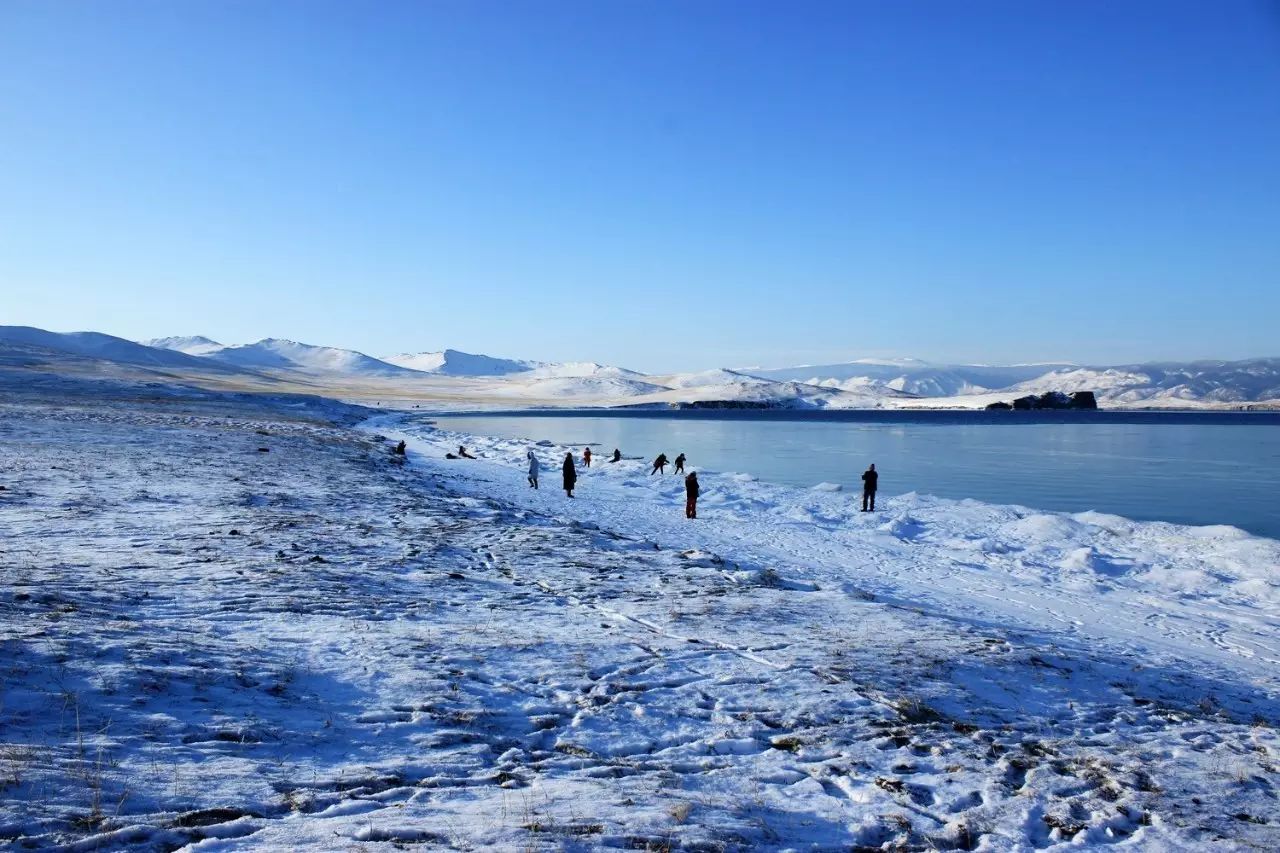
[(691, 495)]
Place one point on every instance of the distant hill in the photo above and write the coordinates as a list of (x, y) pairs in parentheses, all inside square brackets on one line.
[(100, 346), (913, 376), (1162, 383), (190, 344), (456, 375), (452, 362), (735, 386), (280, 354), (583, 369), (1168, 383)]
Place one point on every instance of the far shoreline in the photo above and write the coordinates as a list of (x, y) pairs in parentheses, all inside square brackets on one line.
[(925, 416)]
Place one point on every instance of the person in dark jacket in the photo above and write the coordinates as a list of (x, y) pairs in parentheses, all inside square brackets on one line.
[(679, 469), (869, 479), (570, 474), (659, 464), (462, 451), (691, 495), (617, 455), (586, 456)]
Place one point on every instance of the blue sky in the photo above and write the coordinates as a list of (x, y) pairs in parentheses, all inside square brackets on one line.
[(653, 184)]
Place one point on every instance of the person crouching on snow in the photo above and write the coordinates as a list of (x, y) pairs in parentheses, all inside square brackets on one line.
[(691, 495), (570, 474), (533, 470)]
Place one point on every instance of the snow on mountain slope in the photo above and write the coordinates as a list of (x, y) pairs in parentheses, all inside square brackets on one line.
[(894, 389), (1083, 379), (913, 376), (1218, 381), (863, 383), (614, 387), (584, 369), (1159, 384), (936, 384), (715, 377), (721, 385), (282, 354), (593, 390), (452, 362), (190, 344), (1254, 380), (100, 346)]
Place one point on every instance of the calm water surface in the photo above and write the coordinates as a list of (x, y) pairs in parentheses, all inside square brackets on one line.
[(1182, 467)]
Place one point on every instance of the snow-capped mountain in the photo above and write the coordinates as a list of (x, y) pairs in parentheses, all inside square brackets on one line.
[(1167, 384), (452, 362), (584, 390), (1098, 380), (190, 344), (279, 354), (721, 385), (1254, 380), (914, 376), (716, 378), (460, 378), (585, 369), (99, 346)]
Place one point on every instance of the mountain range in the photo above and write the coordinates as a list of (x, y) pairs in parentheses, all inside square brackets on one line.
[(1155, 383), (454, 378)]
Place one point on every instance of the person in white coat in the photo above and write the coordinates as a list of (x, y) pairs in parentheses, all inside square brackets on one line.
[(533, 470)]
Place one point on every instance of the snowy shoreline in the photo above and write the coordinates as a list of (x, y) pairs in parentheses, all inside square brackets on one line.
[(240, 624), (1029, 549)]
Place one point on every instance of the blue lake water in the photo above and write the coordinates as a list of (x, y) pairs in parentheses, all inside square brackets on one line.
[(1190, 468)]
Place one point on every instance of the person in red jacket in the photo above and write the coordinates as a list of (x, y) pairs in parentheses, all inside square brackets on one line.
[(691, 495), (586, 456)]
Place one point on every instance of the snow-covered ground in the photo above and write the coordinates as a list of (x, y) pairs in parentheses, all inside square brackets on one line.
[(208, 644)]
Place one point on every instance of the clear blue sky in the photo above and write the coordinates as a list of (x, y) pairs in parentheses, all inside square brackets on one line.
[(655, 184)]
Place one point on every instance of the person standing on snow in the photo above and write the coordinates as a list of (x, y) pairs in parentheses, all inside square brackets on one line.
[(691, 495), (659, 463), (586, 456), (869, 481), (533, 470), (570, 474), (679, 469)]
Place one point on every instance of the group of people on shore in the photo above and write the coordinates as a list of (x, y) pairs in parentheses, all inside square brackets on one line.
[(692, 489), (568, 469), (569, 474), (660, 464)]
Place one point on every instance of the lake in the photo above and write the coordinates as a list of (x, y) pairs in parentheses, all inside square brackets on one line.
[(1190, 468)]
